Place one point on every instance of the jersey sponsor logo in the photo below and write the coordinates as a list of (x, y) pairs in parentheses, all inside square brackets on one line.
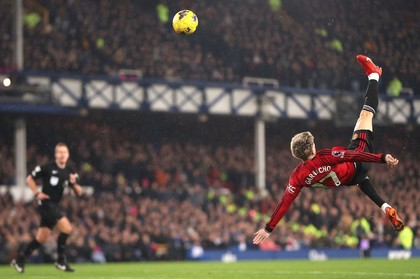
[(338, 153), (54, 172), (291, 189), (54, 180)]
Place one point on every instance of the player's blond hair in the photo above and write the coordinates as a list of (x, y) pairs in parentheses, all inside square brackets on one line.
[(301, 145)]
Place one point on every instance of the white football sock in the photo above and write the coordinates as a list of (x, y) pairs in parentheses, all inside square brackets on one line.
[(374, 76), (384, 206)]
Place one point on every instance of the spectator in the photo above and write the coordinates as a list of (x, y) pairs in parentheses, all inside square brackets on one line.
[(394, 87)]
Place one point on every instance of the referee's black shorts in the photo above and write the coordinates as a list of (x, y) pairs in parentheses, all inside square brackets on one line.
[(50, 214), (361, 141)]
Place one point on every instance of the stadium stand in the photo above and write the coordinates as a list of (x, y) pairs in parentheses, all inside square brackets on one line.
[(303, 44), (171, 200)]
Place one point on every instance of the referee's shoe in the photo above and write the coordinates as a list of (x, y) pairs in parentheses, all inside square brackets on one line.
[(17, 265), (63, 265)]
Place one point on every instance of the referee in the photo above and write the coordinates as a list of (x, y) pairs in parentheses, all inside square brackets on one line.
[(55, 176)]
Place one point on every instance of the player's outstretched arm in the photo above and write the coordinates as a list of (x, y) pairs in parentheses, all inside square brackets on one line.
[(391, 161), (339, 155), (260, 236), (282, 207)]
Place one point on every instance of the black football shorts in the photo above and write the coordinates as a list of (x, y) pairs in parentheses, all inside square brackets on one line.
[(50, 214), (361, 141)]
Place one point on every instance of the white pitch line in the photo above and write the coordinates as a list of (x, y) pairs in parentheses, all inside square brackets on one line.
[(394, 274), (314, 272), (85, 277)]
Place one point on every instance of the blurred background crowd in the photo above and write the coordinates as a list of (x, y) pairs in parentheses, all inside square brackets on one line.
[(301, 43), (169, 187)]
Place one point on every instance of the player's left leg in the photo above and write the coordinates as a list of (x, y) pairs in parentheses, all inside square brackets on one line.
[(65, 228), (368, 189)]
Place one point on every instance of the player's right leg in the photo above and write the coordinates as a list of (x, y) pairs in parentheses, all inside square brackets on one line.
[(373, 72), (41, 237), (363, 130)]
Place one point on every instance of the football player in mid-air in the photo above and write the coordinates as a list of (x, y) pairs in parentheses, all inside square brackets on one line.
[(330, 168), (55, 176)]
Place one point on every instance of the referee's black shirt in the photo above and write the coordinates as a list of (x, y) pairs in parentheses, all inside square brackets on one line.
[(54, 179)]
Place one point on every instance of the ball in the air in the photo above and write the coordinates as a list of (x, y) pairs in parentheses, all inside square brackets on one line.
[(185, 22)]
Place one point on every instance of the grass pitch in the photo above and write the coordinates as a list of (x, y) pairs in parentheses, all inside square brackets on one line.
[(290, 269)]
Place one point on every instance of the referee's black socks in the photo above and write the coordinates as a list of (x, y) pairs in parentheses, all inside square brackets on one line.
[(32, 246), (61, 247)]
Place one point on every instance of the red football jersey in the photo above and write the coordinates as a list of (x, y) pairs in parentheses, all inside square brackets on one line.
[(329, 168)]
